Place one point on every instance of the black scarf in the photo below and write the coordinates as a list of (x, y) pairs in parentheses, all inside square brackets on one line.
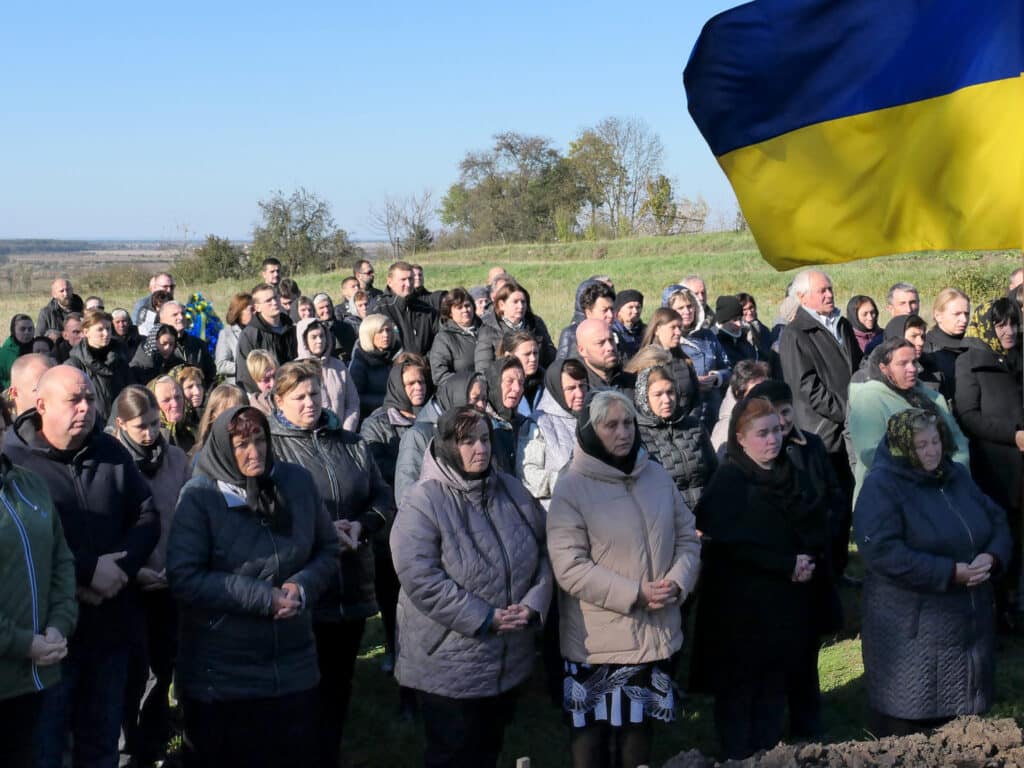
[(553, 384), (494, 397), (395, 396), (217, 462), (779, 485), (148, 458), (592, 445), (454, 391)]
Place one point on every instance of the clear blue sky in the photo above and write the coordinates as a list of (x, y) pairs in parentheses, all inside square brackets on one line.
[(133, 120)]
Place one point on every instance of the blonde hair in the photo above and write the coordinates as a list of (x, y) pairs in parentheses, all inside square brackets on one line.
[(290, 375), (259, 362), (945, 297), (370, 327), (186, 373), (95, 317)]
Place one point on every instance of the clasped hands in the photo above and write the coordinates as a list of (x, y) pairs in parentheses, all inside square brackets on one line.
[(107, 580), (515, 618), (655, 595), (349, 533), (48, 648), (976, 572)]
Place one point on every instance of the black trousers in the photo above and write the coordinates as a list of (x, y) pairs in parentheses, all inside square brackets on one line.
[(464, 733), (599, 745), (18, 717), (386, 587), (803, 690), (749, 715), (147, 713), (252, 733), (337, 646), (843, 522)]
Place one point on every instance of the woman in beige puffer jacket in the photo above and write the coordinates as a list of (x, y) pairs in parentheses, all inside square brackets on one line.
[(625, 554), (468, 548)]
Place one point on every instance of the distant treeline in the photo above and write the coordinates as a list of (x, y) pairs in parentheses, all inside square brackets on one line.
[(12, 247)]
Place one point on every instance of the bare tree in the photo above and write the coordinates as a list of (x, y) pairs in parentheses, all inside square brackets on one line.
[(405, 222), (387, 221), (638, 151)]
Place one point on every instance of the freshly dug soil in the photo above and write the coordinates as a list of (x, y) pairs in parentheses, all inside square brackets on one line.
[(968, 742)]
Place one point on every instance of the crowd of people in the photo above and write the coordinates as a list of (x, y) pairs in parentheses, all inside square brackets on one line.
[(226, 518)]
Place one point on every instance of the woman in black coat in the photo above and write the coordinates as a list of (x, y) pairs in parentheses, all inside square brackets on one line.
[(754, 613), (945, 341), (511, 313), (251, 550), (372, 358), (455, 344), (673, 438), (989, 407), (359, 504), (102, 361)]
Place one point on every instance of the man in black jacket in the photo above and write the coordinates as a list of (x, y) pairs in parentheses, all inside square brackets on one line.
[(111, 526), (63, 301), (415, 320), (191, 349), (819, 355), (270, 329)]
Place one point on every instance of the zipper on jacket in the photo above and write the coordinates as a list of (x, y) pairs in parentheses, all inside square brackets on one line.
[(31, 566), (331, 477), (508, 582), (630, 484), (974, 547)]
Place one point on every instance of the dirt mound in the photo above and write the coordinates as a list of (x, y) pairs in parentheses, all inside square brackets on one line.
[(968, 742)]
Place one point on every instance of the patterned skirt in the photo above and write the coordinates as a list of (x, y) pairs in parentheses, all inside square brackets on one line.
[(618, 693)]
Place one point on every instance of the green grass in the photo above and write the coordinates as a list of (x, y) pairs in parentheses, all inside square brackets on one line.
[(729, 262)]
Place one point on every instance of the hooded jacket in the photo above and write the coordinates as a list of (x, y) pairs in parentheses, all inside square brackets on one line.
[(106, 369), (678, 443), (280, 342), (567, 338), (351, 488), (37, 571), (339, 391), (608, 531), (928, 644), (224, 559), (989, 405), (463, 548), (872, 403), (105, 505), (547, 442), (453, 350), (413, 444), (10, 351)]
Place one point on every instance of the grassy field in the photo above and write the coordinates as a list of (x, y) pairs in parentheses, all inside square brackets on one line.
[(729, 263)]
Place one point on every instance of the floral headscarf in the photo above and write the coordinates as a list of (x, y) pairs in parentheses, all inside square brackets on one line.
[(904, 425)]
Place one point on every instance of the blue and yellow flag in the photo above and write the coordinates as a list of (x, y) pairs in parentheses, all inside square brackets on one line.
[(859, 128)]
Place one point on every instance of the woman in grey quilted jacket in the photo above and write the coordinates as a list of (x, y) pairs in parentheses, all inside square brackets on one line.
[(468, 546)]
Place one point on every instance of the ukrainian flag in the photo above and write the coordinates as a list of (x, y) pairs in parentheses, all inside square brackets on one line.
[(859, 128)]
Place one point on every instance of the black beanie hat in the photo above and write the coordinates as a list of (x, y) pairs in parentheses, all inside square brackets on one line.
[(773, 390), (624, 297), (727, 308)]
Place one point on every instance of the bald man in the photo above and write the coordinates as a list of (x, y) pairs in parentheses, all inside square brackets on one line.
[(63, 302), (111, 526), (190, 350), (596, 349), (25, 375)]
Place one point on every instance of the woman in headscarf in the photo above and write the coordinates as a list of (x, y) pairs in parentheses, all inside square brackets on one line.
[(625, 554), (762, 544), (251, 550), (862, 312), (359, 504), (125, 333), (989, 405), (155, 356), (468, 545), (547, 442), (343, 336), (892, 386), (672, 437), (146, 721), (409, 388), (930, 540), (102, 362), (466, 388), (336, 385), (176, 414), (505, 386), (17, 344)]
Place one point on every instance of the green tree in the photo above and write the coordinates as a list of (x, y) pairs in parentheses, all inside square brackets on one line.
[(658, 205), (218, 258), (299, 230), (593, 160)]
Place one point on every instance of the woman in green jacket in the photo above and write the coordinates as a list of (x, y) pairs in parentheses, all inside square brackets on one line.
[(18, 343), (38, 609)]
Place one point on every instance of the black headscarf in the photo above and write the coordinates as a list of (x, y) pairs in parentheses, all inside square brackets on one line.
[(217, 462), (454, 391), (851, 313), (553, 383), (395, 396), (446, 448), (897, 327), (592, 445), (494, 374), (779, 484)]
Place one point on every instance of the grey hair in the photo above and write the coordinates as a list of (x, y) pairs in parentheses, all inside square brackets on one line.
[(694, 276), (802, 280), (907, 287), (602, 403)]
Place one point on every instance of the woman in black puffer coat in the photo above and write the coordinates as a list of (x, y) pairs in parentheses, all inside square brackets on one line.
[(251, 549), (455, 344), (102, 361), (372, 358), (359, 504), (674, 439)]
